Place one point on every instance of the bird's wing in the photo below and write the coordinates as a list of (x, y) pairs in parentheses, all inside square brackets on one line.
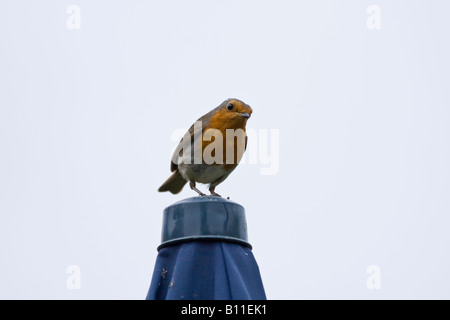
[(185, 140)]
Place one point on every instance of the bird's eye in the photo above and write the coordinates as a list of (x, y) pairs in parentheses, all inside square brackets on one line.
[(230, 106)]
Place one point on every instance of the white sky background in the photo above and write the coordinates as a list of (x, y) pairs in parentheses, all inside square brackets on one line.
[(86, 118)]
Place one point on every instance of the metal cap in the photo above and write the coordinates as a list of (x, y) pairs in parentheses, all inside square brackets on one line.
[(204, 218)]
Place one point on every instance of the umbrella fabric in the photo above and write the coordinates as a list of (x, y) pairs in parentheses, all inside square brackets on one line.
[(206, 270)]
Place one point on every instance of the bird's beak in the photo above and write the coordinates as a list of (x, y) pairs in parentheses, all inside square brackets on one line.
[(245, 115)]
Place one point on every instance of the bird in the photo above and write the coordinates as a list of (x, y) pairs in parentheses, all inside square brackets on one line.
[(221, 136)]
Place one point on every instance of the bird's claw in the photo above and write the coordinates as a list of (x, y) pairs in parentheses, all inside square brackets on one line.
[(215, 195)]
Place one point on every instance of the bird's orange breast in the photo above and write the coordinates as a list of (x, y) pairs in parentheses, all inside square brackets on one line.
[(232, 141)]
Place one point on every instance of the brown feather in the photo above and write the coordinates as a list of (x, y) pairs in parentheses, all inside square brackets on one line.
[(174, 184)]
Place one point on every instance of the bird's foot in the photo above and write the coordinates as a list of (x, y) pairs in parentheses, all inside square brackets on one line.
[(213, 193), (192, 185)]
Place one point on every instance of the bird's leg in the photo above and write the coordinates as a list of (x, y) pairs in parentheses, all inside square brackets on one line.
[(192, 185), (211, 189)]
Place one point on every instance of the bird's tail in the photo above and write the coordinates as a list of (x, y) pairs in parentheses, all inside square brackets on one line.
[(174, 184)]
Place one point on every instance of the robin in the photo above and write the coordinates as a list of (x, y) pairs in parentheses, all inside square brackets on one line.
[(218, 140)]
